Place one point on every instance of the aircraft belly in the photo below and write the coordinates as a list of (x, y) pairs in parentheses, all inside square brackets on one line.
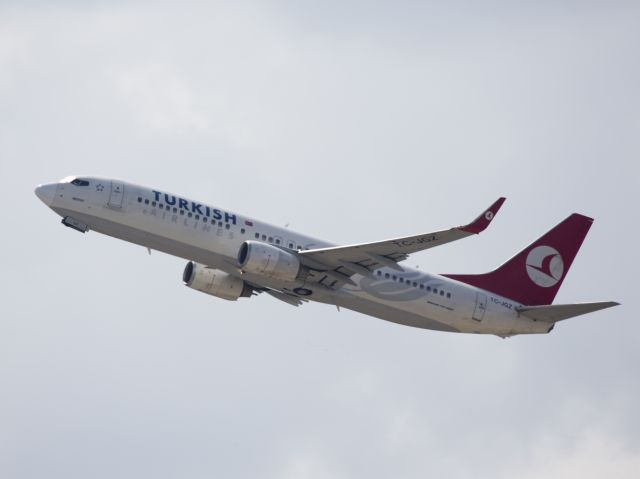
[(378, 309), (419, 310), (389, 313), (147, 239)]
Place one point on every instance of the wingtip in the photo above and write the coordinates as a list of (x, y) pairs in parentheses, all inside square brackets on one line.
[(481, 222)]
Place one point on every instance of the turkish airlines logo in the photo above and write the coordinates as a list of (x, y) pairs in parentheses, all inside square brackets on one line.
[(545, 266)]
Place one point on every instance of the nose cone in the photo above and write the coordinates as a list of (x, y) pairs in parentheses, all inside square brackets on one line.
[(46, 193)]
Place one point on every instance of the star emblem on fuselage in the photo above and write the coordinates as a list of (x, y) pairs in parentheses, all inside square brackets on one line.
[(99, 187)]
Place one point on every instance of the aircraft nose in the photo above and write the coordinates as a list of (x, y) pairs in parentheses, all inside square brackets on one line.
[(46, 193)]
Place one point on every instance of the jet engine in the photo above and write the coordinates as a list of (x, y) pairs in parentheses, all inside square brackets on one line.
[(215, 282), (266, 260)]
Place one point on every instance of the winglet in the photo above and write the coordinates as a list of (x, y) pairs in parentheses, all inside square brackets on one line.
[(481, 222)]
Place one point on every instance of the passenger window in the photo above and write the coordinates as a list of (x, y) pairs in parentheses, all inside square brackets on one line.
[(415, 285), (386, 275), (175, 210), (277, 241), (146, 202), (139, 200), (204, 219), (422, 286), (181, 212), (227, 226), (153, 203), (270, 239), (257, 235), (448, 295), (264, 237), (394, 277), (242, 230), (189, 214), (441, 293)]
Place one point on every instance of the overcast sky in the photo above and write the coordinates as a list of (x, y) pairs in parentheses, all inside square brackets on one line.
[(353, 121)]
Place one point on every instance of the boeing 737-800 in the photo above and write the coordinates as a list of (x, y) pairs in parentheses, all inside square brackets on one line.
[(232, 256)]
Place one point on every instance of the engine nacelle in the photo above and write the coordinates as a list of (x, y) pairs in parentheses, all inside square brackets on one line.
[(215, 282), (266, 260)]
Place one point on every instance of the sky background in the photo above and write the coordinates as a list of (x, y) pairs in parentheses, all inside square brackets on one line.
[(353, 121)]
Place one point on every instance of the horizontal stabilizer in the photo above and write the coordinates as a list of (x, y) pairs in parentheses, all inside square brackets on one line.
[(558, 312)]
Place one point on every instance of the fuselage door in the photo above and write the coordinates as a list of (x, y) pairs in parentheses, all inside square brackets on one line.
[(481, 306), (117, 194)]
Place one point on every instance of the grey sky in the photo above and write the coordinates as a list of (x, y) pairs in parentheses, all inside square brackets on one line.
[(354, 122)]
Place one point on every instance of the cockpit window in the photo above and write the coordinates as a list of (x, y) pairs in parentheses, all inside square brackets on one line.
[(79, 182)]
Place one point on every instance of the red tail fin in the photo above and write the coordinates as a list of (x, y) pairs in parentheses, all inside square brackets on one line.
[(534, 276)]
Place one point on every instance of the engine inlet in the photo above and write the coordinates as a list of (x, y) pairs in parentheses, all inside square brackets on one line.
[(187, 276)]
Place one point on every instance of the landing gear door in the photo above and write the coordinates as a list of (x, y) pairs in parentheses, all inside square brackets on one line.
[(117, 194), (481, 306)]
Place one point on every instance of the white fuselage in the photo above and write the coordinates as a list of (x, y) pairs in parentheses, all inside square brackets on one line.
[(212, 236)]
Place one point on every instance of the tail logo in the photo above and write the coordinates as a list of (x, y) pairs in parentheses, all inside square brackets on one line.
[(545, 266)]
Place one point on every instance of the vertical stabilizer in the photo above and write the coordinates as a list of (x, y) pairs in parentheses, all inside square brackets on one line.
[(534, 276)]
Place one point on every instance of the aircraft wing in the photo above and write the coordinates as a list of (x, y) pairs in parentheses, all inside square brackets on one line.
[(335, 265)]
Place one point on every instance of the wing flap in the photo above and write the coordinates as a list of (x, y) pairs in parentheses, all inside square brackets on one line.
[(287, 298)]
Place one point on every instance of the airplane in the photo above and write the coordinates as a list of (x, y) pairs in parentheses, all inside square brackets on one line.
[(233, 256)]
